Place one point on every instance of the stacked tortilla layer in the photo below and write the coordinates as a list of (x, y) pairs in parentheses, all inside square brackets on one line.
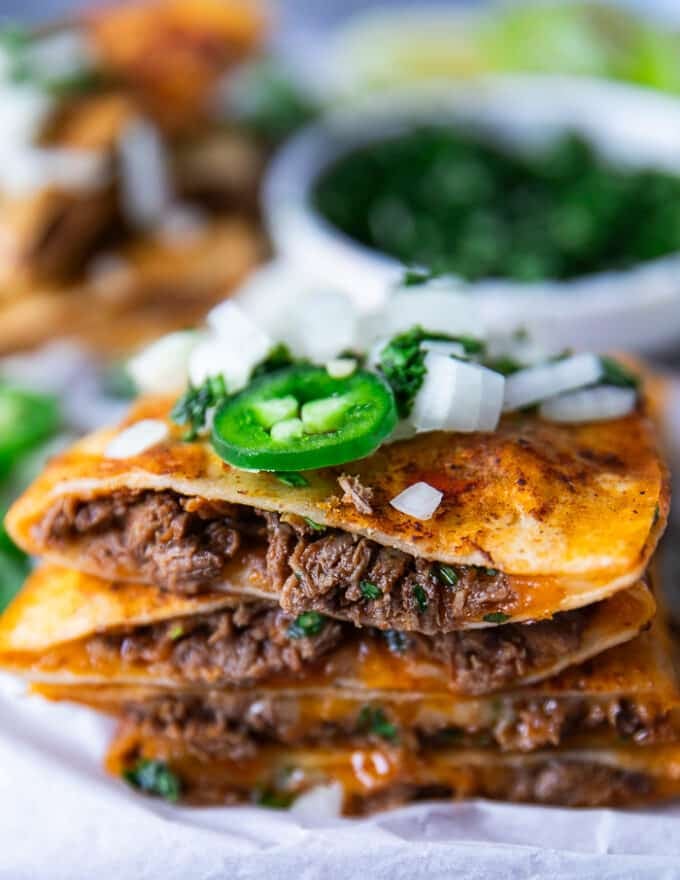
[(258, 639)]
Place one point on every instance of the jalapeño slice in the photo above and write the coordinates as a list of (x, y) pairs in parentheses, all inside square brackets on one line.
[(324, 421)]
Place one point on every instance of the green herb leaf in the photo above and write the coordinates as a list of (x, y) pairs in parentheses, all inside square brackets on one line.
[(193, 406), (614, 373), (402, 362), (414, 276), (421, 597), (505, 365), (373, 720), (154, 777), (310, 623), (315, 526), (297, 481), (369, 590), (175, 632), (276, 800), (491, 572), (397, 641), (496, 617), (447, 575)]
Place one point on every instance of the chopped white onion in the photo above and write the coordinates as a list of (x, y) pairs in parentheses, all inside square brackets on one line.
[(419, 501), (270, 296), (137, 438), (341, 368), (457, 396), (321, 802), (61, 55), (534, 384), (233, 348), (163, 366), (145, 179), (590, 404), (25, 169), (24, 109), (438, 305), (325, 324), (440, 346)]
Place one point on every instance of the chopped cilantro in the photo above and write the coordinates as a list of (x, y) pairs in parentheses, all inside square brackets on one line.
[(504, 364), (447, 575), (193, 406), (397, 641), (310, 623), (421, 597), (315, 526), (496, 617), (373, 720), (402, 362), (175, 632), (297, 481), (154, 777), (614, 373), (276, 800), (414, 276), (491, 572), (369, 590)]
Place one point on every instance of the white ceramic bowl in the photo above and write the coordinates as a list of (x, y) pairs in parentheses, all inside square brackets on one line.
[(637, 309)]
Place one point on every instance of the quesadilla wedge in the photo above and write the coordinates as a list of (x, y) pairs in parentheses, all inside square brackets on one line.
[(536, 518), (373, 777), (630, 691), (68, 627)]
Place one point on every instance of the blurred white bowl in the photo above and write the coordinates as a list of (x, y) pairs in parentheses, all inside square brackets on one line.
[(637, 309)]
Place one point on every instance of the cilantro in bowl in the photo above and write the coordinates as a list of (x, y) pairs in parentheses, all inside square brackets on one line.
[(458, 203)]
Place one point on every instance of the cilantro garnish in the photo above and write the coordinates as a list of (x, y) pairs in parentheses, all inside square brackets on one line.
[(310, 623), (402, 362), (496, 617), (614, 373), (447, 575), (154, 777), (369, 590), (193, 406), (373, 720), (421, 597)]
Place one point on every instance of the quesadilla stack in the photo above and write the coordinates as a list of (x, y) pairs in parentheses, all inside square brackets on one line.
[(275, 593)]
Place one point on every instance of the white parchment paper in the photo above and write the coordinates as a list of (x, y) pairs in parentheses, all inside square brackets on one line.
[(62, 818)]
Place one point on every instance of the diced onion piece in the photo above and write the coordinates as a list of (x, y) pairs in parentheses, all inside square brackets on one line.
[(321, 802), (269, 412), (288, 429), (535, 384), (437, 305), (27, 169), (457, 396), (321, 416), (233, 349), (440, 346), (419, 501), (145, 179), (325, 324), (137, 438), (270, 296), (162, 367), (341, 368), (24, 110), (590, 404)]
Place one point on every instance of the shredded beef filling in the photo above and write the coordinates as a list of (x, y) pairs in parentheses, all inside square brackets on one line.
[(234, 646), (557, 782), (235, 725), (254, 641), (183, 543)]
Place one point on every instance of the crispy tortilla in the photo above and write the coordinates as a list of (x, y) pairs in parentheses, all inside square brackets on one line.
[(571, 514), (378, 776), (47, 632)]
